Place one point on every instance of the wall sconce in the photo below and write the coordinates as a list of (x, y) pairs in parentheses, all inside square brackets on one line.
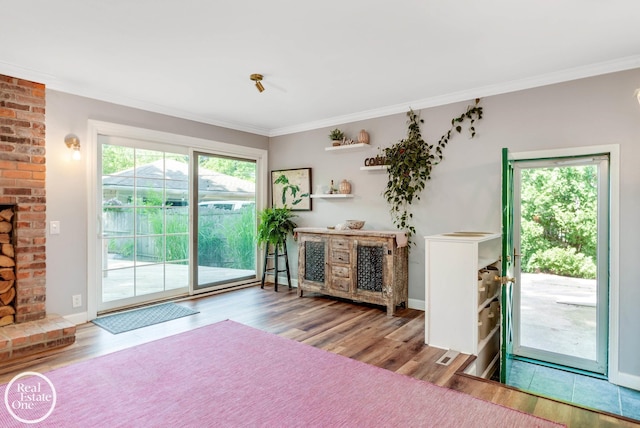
[(73, 142), (257, 78), (637, 94)]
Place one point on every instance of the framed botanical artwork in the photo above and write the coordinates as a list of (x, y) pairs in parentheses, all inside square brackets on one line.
[(291, 188)]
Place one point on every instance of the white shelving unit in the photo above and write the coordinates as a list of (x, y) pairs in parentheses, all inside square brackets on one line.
[(459, 316)]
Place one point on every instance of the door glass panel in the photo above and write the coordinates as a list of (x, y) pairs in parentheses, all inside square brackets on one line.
[(562, 229), (145, 222), (225, 247)]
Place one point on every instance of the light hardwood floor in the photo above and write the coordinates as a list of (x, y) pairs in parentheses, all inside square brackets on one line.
[(358, 331)]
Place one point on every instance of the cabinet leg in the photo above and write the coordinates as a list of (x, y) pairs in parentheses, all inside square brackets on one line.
[(391, 308)]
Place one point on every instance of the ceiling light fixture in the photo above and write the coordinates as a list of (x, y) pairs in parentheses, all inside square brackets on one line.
[(257, 78)]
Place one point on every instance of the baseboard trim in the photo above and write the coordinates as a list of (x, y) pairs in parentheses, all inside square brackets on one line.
[(627, 380), (77, 319), (417, 304)]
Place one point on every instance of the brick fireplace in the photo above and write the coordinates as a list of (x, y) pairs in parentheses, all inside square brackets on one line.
[(22, 186)]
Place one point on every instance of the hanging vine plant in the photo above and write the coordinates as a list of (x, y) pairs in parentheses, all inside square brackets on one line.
[(411, 160)]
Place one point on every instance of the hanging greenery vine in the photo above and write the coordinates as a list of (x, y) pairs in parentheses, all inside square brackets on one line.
[(410, 161)]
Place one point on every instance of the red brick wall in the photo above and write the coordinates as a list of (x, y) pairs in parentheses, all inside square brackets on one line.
[(22, 183)]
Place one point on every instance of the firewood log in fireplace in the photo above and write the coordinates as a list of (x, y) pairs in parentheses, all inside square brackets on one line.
[(7, 269)]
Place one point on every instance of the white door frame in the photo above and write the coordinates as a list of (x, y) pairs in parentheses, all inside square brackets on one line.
[(614, 224), (94, 208)]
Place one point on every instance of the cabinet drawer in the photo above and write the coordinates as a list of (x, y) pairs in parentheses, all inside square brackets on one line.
[(341, 244), (340, 271), (340, 257), (341, 284)]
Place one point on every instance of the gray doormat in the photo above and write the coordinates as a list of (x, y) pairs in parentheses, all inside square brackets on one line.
[(137, 318)]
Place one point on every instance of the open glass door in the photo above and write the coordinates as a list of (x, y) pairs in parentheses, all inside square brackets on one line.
[(561, 210), (506, 345), (224, 230)]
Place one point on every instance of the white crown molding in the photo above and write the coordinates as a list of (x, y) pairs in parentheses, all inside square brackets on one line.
[(155, 108), (480, 92), (27, 74), (575, 73), (52, 82)]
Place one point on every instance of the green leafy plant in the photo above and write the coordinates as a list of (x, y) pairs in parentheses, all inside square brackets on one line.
[(336, 134), (411, 160), (563, 261), (275, 223), (559, 220)]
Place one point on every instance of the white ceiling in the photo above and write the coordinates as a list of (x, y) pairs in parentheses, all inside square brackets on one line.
[(325, 62)]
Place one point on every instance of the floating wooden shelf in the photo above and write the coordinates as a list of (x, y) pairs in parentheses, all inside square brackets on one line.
[(331, 195), (355, 146), (374, 168)]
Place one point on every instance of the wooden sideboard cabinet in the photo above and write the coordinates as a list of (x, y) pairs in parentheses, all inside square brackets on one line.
[(361, 265)]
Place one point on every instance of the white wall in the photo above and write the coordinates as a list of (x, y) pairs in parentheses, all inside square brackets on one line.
[(67, 183), (464, 193)]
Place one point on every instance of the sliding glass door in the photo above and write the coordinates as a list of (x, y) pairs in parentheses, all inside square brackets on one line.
[(145, 223), (224, 230), (173, 216)]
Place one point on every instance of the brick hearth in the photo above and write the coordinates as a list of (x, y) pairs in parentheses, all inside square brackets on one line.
[(22, 184), (32, 337)]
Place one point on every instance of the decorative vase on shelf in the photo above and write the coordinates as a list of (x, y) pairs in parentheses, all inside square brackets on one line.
[(363, 137), (345, 187)]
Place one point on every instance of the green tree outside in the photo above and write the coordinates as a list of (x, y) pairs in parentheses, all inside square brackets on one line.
[(559, 220)]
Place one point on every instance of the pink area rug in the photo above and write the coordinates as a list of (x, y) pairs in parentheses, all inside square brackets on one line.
[(231, 375)]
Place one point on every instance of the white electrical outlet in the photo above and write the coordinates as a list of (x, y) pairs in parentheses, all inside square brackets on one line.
[(76, 300)]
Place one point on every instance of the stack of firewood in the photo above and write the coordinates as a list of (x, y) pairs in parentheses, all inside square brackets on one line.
[(7, 269)]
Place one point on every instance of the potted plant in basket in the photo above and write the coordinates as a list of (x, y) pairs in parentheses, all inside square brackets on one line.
[(275, 226), (337, 136), (276, 223)]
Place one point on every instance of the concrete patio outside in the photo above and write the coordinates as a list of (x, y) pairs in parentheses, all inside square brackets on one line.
[(559, 314)]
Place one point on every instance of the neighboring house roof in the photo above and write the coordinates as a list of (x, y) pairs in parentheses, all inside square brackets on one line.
[(174, 176)]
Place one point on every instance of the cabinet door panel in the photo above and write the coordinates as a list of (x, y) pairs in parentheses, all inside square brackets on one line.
[(314, 260)]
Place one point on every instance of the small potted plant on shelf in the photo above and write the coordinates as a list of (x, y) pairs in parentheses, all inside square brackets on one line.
[(337, 136)]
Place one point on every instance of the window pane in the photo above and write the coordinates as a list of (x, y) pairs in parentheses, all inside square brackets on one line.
[(149, 249), (150, 221), (117, 221), (117, 160), (149, 163), (150, 192), (177, 248), (118, 284), (117, 253), (149, 279)]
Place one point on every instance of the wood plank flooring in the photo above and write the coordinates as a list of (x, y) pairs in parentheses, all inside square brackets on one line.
[(359, 331)]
